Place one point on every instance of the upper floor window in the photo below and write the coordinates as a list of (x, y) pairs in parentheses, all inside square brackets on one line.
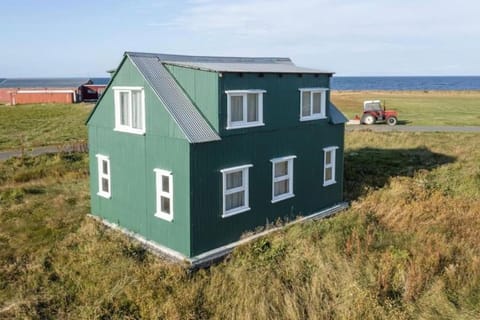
[(129, 109), (164, 194), (282, 178), (312, 103), (235, 190), (329, 165), (103, 176), (244, 108)]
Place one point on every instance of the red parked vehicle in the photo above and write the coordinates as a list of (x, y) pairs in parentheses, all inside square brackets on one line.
[(373, 112)]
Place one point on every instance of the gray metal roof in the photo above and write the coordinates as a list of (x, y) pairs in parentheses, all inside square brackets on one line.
[(247, 67), (231, 64), (335, 115), (43, 82), (187, 116)]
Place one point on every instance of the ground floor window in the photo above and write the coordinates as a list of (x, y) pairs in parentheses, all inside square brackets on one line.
[(329, 165), (164, 194), (235, 190), (104, 189), (282, 178)]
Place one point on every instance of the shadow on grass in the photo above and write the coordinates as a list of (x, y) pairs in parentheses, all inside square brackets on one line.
[(403, 122), (368, 168)]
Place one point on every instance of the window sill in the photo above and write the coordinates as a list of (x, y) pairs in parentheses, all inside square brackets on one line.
[(164, 216), (251, 125), (129, 130), (322, 117), (283, 197), (104, 195), (328, 183), (235, 211)]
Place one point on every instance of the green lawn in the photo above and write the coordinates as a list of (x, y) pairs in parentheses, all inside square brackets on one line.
[(51, 124), (42, 124), (457, 108), (408, 248)]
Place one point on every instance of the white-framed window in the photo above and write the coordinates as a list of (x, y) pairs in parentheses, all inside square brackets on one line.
[(244, 108), (235, 190), (282, 178), (104, 185), (313, 103), (164, 194), (129, 109), (329, 155)]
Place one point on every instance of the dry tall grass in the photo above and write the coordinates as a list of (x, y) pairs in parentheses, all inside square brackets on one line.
[(408, 248)]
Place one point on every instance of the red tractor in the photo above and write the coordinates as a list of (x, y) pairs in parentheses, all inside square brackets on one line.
[(374, 112)]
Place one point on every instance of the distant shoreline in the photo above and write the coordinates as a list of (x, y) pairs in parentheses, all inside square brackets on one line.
[(410, 83)]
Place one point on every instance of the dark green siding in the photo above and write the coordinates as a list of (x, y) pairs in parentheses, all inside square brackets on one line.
[(198, 225), (132, 160), (202, 88), (281, 102), (210, 230), (283, 135)]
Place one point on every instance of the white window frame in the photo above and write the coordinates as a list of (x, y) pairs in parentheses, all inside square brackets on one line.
[(123, 128), (245, 187), (332, 165), (100, 159), (244, 94), (288, 176), (159, 193), (323, 103)]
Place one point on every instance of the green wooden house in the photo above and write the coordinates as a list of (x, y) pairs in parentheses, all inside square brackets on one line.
[(188, 153)]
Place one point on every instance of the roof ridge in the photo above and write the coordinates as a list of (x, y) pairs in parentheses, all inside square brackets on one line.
[(165, 57)]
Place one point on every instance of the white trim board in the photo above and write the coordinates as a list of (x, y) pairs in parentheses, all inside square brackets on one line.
[(207, 258)]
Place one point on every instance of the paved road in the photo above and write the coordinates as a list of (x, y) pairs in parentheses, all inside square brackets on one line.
[(402, 128)]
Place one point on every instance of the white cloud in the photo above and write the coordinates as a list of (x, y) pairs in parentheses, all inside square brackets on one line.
[(317, 30)]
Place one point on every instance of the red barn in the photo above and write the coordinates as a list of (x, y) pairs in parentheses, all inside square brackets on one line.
[(47, 90)]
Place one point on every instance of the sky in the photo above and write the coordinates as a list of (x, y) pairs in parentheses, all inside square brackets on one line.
[(350, 37)]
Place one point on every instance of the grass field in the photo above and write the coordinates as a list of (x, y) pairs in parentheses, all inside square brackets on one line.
[(455, 108), (41, 125), (408, 248)]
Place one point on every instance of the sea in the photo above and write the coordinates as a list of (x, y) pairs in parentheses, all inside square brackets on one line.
[(423, 83)]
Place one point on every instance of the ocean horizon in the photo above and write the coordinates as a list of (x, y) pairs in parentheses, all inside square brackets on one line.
[(405, 83)]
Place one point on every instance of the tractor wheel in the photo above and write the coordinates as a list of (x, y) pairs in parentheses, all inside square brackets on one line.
[(392, 121), (368, 119)]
